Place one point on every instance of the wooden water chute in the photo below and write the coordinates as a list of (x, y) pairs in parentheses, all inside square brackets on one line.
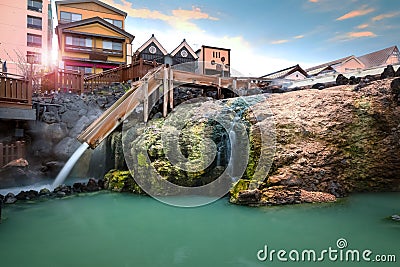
[(160, 81)]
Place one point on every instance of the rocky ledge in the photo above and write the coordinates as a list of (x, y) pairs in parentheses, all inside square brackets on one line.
[(328, 143)]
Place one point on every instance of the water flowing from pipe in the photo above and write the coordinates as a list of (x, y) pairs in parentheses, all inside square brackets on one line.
[(69, 165)]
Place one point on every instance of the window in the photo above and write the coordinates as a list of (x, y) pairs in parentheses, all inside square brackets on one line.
[(216, 54), (66, 17), (115, 47), (37, 57), (116, 22), (34, 22), (78, 43), (35, 5), (34, 40), (85, 70)]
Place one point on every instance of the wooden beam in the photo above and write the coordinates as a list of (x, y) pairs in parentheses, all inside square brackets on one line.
[(165, 92), (145, 100), (171, 88)]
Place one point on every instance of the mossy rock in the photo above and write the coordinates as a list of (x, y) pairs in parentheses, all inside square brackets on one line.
[(121, 181)]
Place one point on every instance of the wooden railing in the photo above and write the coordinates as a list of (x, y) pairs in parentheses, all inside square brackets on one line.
[(64, 81), (123, 73), (15, 91), (10, 152)]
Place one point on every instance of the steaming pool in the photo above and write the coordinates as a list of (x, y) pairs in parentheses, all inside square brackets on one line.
[(112, 229)]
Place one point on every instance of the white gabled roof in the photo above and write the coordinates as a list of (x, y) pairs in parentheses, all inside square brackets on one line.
[(156, 42), (188, 48)]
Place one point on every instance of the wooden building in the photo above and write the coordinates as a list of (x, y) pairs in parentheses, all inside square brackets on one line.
[(292, 73), (151, 50), (214, 60), (91, 36), (343, 65), (384, 57)]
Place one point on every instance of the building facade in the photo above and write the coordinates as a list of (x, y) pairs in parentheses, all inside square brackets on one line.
[(26, 30), (91, 36), (214, 60)]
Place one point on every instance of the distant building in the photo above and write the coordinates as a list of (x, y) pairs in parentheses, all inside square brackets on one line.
[(387, 56), (26, 29), (343, 65), (153, 50), (91, 36), (384, 57), (214, 60), (292, 73)]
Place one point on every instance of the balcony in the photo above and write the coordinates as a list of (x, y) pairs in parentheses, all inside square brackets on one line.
[(96, 53)]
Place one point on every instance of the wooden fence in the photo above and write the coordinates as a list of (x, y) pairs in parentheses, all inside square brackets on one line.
[(63, 80), (10, 152), (123, 73), (15, 91)]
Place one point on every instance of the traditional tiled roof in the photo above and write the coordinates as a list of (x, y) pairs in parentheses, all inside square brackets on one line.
[(188, 48), (64, 26), (152, 40), (330, 65), (283, 73), (378, 58), (66, 2)]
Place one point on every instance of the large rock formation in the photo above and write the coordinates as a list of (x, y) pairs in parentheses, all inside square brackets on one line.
[(328, 143)]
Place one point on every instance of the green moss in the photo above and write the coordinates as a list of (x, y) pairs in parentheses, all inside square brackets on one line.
[(121, 181), (237, 187), (141, 160)]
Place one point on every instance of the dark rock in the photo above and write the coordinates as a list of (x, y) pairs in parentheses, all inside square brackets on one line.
[(388, 72), (100, 183), (368, 78), (395, 87), (10, 198), (67, 190), (249, 196), (44, 192), (50, 117), (318, 86), (341, 80), (101, 101), (79, 188), (27, 195), (354, 80), (396, 217), (397, 73), (92, 185), (1, 198)]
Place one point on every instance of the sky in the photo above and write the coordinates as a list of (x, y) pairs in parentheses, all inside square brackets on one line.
[(267, 35)]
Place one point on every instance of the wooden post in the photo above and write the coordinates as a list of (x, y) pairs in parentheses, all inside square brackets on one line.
[(165, 92), (145, 100), (234, 84), (81, 83), (171, 88), (19, 149), (55, 79), (1, 155)]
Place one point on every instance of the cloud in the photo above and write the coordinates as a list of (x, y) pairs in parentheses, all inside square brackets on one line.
[(313, 1), (362, 26), (353, 35), (279, 41), (357, 13), (180, 19), (361, 34), (299, 37), (385, 16)]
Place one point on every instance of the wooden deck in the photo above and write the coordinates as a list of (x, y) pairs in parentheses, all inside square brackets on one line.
[(158, 82), (15, 91)]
